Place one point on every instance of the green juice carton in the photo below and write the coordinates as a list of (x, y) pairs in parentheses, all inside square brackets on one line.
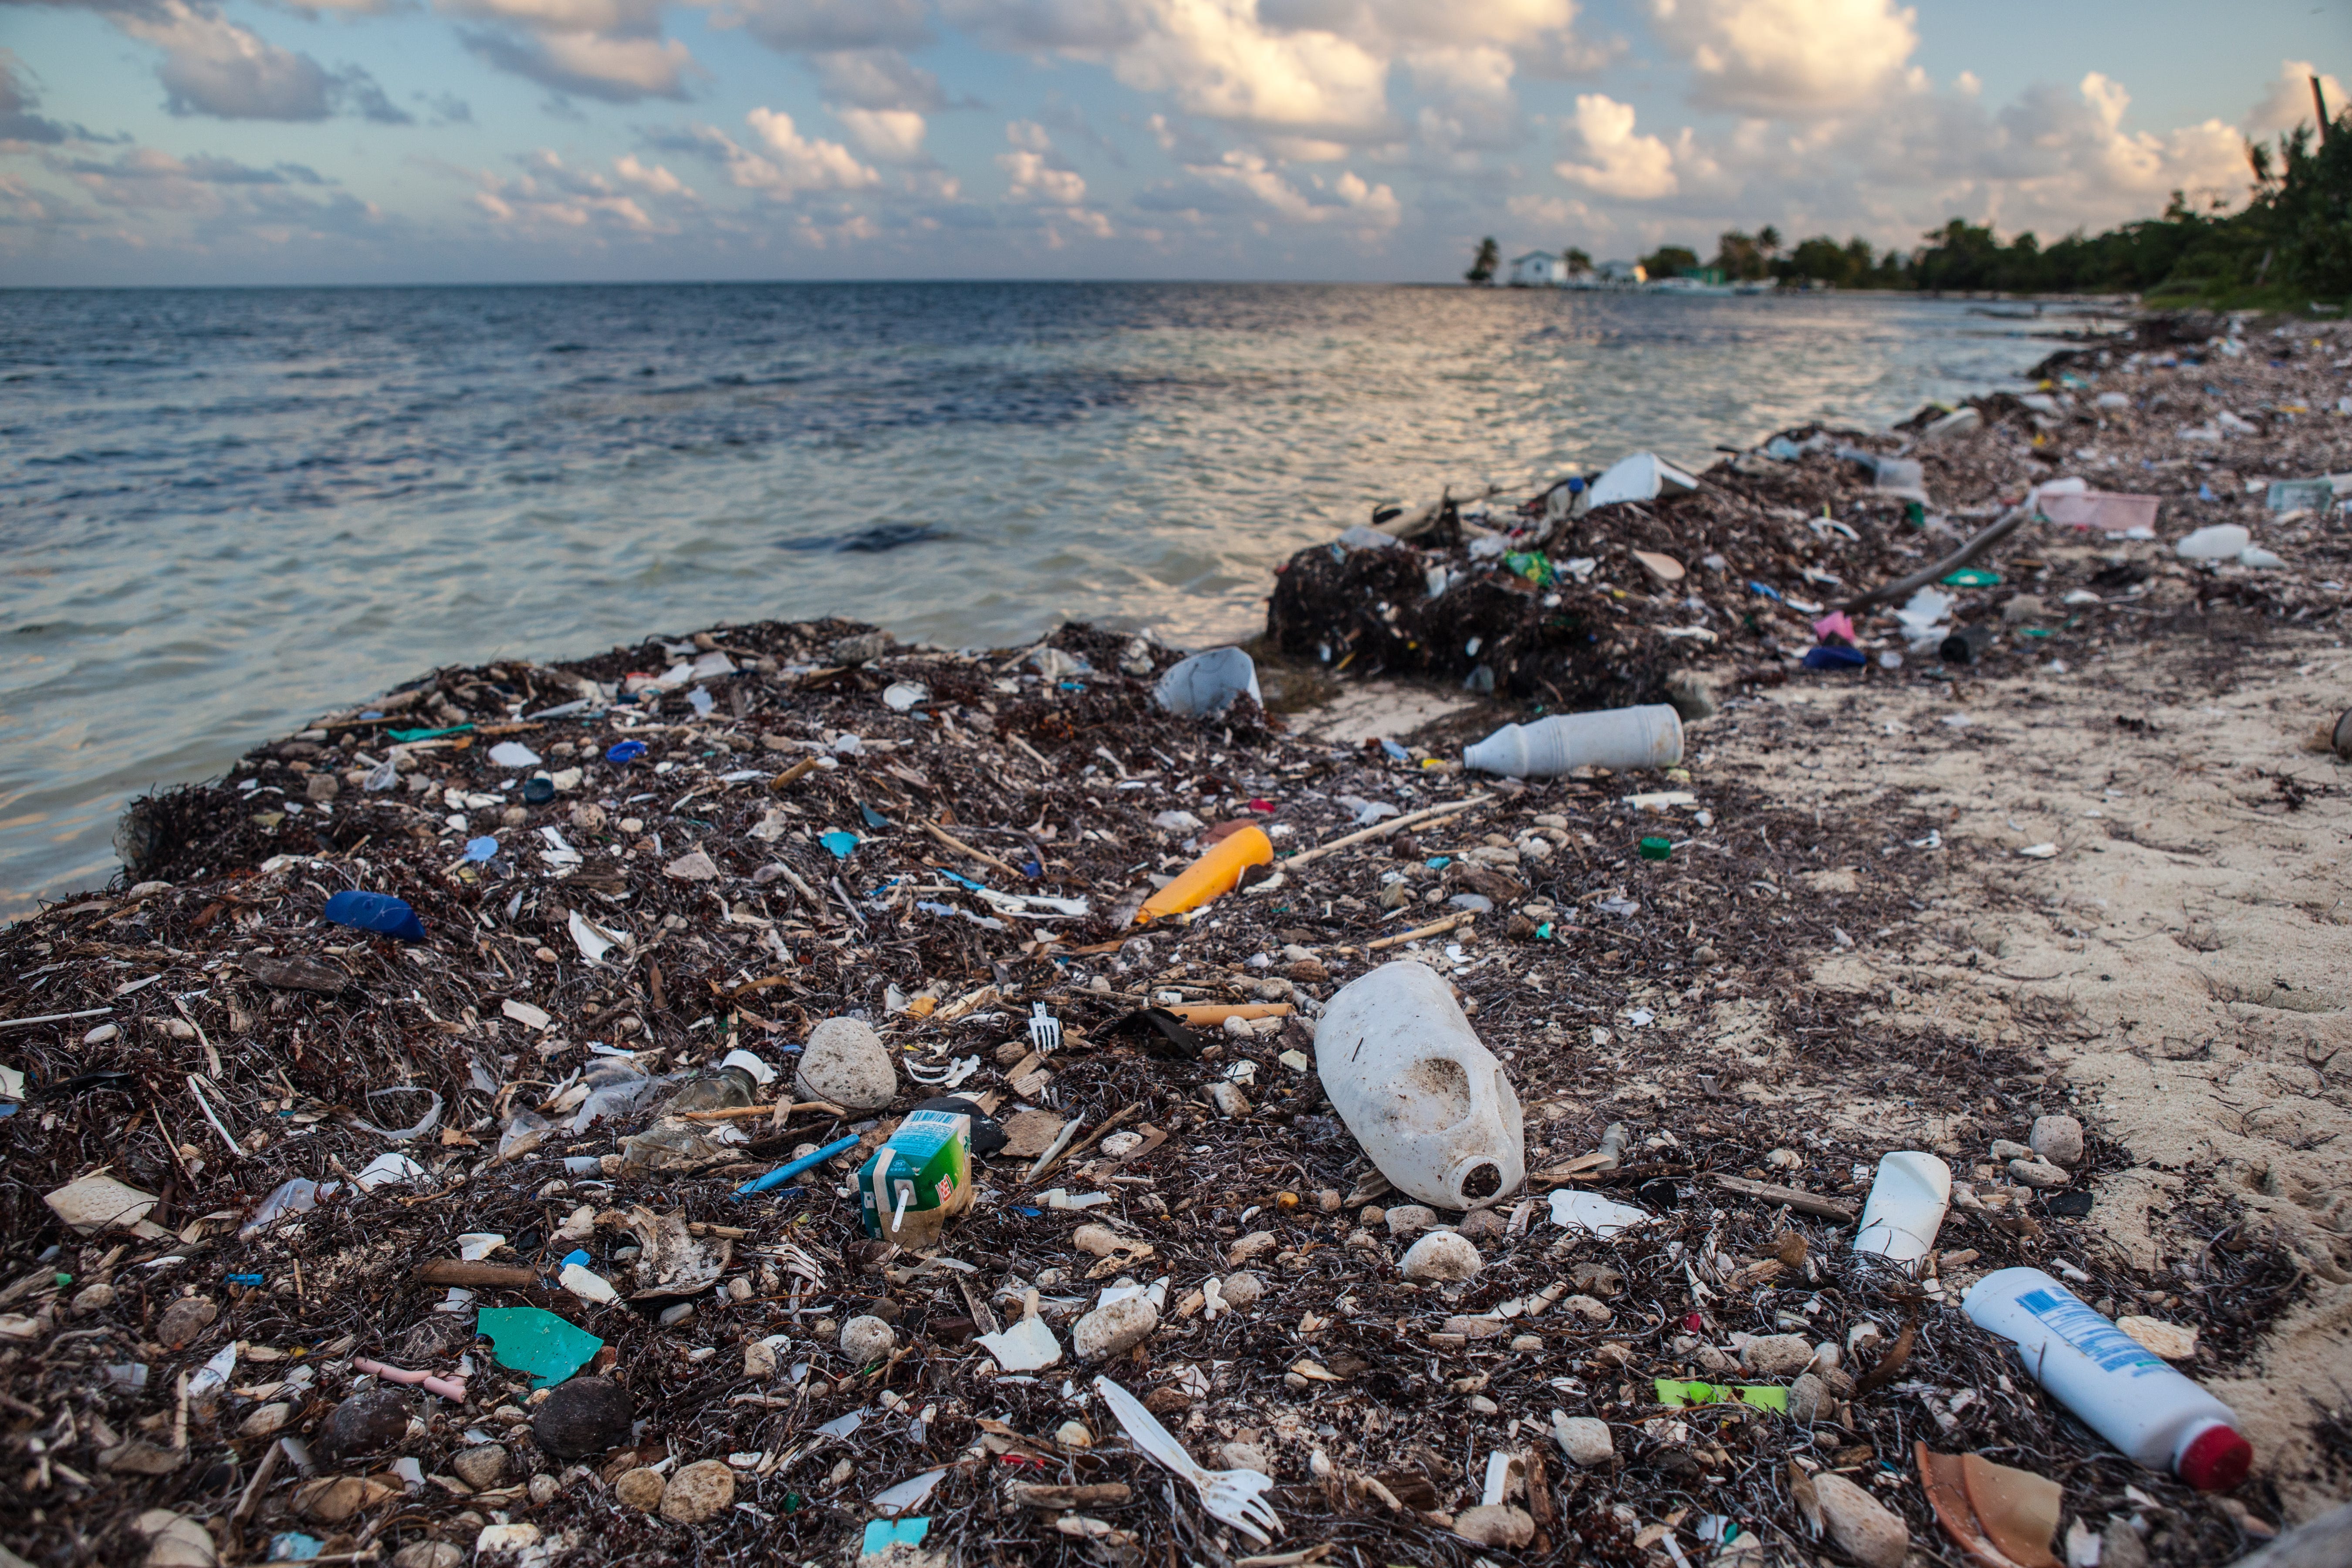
[(920, 1180)]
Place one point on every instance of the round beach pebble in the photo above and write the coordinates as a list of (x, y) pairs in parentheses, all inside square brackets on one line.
[(1410, 1219), (864, 1339), (1496, 1524), (1441, 1256), (1242, 1290), (846, 1063), (703, 1490), (640, 1489), (584, 1416), (1481, 1225), (2038, 1173), (1586, 1440), (368, 1421), (184, 1319), (1776, 1355), (1117, 1326), (482, 1466), (2057, 1139), (93, 1299)]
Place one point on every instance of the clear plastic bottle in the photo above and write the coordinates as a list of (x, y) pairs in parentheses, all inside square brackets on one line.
[(2120, 1388)]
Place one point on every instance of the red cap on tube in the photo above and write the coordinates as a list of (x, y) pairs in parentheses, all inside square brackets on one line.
[(2216, 1459)]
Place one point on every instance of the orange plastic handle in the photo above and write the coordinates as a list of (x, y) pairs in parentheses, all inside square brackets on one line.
[(1211, 875)]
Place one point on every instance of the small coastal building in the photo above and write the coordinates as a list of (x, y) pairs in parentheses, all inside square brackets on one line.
[(1538, 269), (1621, 274)]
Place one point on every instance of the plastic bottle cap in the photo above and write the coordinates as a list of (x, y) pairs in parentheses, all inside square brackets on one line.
[(2216, 1459)]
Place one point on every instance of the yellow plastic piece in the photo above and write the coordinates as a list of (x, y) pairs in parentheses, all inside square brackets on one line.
[(1212, 876)]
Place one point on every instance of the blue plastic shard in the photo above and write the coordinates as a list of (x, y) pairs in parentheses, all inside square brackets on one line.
[(378, 912), (534, 1340)]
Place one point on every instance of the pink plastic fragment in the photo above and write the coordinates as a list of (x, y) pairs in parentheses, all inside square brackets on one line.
[(446, 1388)]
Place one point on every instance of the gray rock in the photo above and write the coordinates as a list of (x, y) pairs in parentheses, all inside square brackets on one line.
[(2009, 1149), (428, 1554), (758, 1359), (481, 1467), (1527, 1344), (863, 648), (1119, 1326), (2025, 609), (1472, 1327), (1586, 1308), (1245, 1456), (846, 1063), (2037, 1173), (1776, 1355), (701, 1491), (1441, 1256), (1586, 1440), (2058, 1138), (1810, 1400), (1867, 1531), (1596, 1279), (1481, 1225), (1693, 696), (1410, 1219)]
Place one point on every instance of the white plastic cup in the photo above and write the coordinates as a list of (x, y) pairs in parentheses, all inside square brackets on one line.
[(1208, 682), (2120, 1388), (1649, 736), (1428, 1102), (1907, 1207)]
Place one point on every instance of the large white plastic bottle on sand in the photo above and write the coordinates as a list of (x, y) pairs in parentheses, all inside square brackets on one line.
[(1429, 1104), (1645, 737), (2119, 1386), (1208, 682), (1906, 1208)]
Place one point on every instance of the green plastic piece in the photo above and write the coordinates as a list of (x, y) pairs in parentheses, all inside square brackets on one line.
[(1676, 1395), (1533, 566), (1657, 848), (404, 736), (534, 1340), (2033, 631), (1973, 577)]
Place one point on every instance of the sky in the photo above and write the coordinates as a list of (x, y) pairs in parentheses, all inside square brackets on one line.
[(239, 141)]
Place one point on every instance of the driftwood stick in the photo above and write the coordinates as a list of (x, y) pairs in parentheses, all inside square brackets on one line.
[(2009, 523), (1795, 1198)]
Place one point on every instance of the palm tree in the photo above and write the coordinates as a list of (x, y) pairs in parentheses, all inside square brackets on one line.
[(1767, 240), (1481, 266)]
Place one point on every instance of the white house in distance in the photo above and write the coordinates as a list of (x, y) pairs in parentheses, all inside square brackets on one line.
[(1538, 269), (1622, 274)]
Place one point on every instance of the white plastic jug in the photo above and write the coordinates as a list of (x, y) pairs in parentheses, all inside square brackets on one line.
[(1906, 1208), (2216, 541), (1647, 737), (1208, 682), (1430, 1104), (2119, 1387)]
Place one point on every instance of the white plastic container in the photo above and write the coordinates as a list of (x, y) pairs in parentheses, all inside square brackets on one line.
[(2216, 541), (1907, 1207), (1208, 682), (1647, 737), (1429, 1104), (2119, 1386)]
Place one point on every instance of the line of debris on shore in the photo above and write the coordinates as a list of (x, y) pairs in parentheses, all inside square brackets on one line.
[(447, 1138)]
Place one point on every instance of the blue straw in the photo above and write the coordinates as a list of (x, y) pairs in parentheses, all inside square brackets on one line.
[(783, 1174)]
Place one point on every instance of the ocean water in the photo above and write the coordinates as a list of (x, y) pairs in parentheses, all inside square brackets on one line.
[(222, 512)]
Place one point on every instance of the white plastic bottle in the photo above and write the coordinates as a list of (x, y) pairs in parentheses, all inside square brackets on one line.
[(1429, 1104), (2119, 1387), (1906, 1208), (1645, 737)]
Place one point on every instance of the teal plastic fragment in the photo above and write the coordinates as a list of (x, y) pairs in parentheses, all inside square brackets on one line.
[(881, 1534), (840, 843), (534, 1340)]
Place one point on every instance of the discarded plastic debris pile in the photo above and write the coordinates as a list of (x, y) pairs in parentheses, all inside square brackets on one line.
[(1600, 589), (540, 1236)]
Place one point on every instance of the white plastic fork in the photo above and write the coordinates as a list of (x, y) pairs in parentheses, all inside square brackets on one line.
[(1234, 1496), (1045, 1030)]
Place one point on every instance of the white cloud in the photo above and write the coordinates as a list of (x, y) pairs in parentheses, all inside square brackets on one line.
[(1617, 162), (607, 49), (1032, 180), (1787, 59), (877, 78), (1247, 183), (2287, 101), (1217, 60), (214, 66), (827, 24), (797, 163), (652, 178), (892, 136)]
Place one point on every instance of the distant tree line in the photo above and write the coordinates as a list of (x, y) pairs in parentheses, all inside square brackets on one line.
[(2292, 240)]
